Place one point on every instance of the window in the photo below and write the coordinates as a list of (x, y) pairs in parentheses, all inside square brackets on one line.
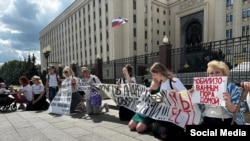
[(244, 13), (135, 46), (146, 48), (248, 12), (107, 21), (157, 10), (229, 33), (134, 4), (146, 34), (107, 47), (230, 2), (134, 18), (245, 30), (107, 34), (229, 17), (134, 32), (146, 9)]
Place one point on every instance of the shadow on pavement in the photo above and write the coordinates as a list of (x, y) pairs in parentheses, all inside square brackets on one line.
[(97, 118)]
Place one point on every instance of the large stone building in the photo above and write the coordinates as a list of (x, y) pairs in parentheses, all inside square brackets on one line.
[(83, 32)]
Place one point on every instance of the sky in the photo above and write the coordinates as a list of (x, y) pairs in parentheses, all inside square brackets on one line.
[(20, 24)]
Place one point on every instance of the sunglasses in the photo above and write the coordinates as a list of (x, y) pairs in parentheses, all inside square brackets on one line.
[(65, 72)]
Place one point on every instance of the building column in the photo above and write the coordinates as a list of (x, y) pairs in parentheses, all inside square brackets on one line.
[(165, 55), (98, 68)]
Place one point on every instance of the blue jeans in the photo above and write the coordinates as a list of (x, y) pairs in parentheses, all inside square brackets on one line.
[(52, 92), (76, 99)]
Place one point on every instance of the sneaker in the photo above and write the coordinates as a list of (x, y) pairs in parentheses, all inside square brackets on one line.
[(105, 105), (21, 106)]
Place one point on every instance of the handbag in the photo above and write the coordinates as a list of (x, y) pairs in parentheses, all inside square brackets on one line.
[(95, 98)]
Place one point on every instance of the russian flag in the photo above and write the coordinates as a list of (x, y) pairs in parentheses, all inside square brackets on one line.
[(119, 21)]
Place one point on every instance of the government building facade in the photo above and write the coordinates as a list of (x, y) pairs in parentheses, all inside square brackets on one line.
[(84, 32)]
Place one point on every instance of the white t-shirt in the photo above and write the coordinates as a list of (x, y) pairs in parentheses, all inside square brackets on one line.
[(86, 82), (27, 92), (37, 89), (52, 78), (124, 81), (177, 85)]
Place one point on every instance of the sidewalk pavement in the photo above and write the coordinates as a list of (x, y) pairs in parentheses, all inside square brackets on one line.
[(41, 126)]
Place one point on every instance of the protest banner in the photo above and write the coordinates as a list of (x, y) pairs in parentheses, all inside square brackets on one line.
[(61, 102), (176, 107), (209, 90)]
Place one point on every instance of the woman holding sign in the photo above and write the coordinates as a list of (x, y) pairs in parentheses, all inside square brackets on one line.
[(124, 113), (223, 115), (70, 79), (165, 79)]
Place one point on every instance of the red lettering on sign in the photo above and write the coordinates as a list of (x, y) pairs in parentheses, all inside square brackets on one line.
[(207, 87), (209, 100)]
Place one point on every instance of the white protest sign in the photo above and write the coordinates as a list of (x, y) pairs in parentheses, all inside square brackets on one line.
[(209, 90), (176, 107), (86, 88), (125, 95), (61, 102)]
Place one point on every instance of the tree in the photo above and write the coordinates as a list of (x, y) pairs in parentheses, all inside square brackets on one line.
[(12, 70)]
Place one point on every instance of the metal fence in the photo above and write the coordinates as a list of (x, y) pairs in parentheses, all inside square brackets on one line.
[(190, 61)]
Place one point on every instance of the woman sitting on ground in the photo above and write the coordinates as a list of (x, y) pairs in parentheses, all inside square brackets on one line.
[(38, 93), (24, 95)]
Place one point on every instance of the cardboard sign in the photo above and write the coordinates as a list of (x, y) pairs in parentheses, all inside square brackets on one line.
[(61, 102), (209, 90), (176, 107)]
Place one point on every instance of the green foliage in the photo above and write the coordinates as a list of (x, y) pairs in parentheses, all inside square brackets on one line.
[(12, 70)]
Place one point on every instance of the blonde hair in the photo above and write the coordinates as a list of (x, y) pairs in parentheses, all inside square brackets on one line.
[(214, 64), (69, 70), (35, 77), (160, 68)]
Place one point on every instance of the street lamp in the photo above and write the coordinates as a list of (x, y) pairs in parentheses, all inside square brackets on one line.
[(165, 40), (46, 52), (73, 64)]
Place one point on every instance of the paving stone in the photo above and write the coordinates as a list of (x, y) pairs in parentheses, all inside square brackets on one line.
[(10, 137), (76, 131)]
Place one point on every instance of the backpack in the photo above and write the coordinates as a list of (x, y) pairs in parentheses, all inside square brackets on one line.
[(95, 98)]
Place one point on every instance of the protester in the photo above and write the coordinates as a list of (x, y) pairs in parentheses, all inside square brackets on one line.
[(52, 82), (72, 80), (140, 122), (38, 93), (2, 88), (24, 94), (223, 115), (165, 79), (124, 113), (90, 80)]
